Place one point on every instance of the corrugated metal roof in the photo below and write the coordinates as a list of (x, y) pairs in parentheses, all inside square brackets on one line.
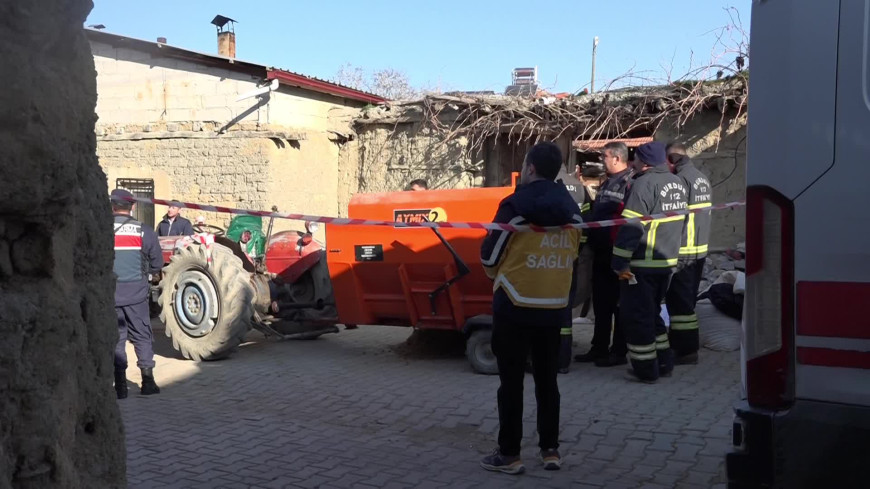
[(597, 144)]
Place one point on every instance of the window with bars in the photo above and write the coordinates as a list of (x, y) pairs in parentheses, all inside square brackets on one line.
[(140, 187)]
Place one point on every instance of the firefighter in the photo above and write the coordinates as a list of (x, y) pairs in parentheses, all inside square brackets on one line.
[(577, 186), (683, 291), (609, 202), (645, 255), (137, 254), (533, 275)]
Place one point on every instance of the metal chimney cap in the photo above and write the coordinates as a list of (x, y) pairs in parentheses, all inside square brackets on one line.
[(220, 21)]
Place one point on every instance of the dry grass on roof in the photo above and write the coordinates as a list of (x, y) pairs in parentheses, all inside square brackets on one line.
[(609, 114)]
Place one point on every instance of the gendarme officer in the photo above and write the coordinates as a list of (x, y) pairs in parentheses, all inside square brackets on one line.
[(137, 254)]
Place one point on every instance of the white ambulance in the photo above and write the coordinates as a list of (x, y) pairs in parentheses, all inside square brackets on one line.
[(805, 419)]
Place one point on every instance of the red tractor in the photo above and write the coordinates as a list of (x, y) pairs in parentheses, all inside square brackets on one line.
[(211, 295), (218, 284)]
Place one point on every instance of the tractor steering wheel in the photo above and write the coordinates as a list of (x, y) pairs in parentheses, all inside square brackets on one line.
[(208, 228)]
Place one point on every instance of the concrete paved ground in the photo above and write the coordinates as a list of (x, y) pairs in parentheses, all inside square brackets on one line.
[(361, 409)]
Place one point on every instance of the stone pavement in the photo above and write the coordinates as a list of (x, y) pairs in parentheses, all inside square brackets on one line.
[(355, 409)]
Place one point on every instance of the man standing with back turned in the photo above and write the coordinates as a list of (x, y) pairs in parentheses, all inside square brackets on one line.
[(644, 256), (532, 288), (683, 292), (137, 253)]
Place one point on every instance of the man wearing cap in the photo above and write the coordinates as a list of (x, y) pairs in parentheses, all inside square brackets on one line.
[(683, 291), (645, 254), (137, 254), (173, 224)]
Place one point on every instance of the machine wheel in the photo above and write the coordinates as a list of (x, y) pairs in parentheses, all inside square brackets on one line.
[(207, 308), (315, 284), (478, 349)]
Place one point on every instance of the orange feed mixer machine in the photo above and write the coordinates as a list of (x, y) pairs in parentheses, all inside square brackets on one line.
[(419, 277)]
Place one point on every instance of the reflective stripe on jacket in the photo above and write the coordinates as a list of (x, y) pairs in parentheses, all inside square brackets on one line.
[(533, 273), (651, 245), (696, 233), (137, 253)]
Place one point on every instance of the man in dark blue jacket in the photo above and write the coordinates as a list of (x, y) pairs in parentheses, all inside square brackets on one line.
[(173, 224), (532, 287), (609, 202), (137, 254)]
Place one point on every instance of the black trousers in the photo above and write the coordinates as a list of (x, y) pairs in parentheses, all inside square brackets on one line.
[(681, 299), (640, 310), (511, 344), (605, 303), (134, 322)]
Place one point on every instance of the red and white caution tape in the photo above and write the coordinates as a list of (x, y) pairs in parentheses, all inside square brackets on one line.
[(343, 221), (204, 239)]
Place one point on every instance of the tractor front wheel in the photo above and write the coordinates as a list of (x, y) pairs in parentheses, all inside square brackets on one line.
[(206, 307)]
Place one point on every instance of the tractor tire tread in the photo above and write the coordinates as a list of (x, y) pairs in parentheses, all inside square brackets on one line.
[(235, 294)]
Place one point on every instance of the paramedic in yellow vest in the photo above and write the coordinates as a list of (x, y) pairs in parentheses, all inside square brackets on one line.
[(532, 275)]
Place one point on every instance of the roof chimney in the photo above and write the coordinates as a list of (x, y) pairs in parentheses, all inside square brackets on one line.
[(161, 40), (226, 36)]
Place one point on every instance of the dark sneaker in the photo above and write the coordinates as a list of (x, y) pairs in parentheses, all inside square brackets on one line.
[(551, 459), (690, 359), (632, 375), (501, 463), (590, 356), (611, 361)]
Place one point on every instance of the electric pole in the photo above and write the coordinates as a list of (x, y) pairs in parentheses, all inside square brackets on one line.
[(594, 50)]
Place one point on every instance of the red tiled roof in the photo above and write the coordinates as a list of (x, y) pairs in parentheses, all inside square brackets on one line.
[(598, 144)]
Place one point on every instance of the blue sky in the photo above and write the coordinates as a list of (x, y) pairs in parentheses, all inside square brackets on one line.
[(445, 44)]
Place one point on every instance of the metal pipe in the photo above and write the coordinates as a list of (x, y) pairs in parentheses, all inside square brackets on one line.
[(594, 51), (271, 87)]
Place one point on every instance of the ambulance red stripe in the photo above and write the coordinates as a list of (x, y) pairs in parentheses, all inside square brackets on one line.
[(826, 357), (833, 309)]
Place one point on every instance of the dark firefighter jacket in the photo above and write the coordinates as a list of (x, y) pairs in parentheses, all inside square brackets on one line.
[(651, 246), (696, 233), (578, 192), (609, 202), (137, 253), (533, 273)]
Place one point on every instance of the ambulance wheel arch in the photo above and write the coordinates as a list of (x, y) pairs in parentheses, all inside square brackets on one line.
[(478, 345)]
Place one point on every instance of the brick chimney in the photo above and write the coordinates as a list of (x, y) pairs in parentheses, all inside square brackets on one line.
[(227, 44), (226, 36)]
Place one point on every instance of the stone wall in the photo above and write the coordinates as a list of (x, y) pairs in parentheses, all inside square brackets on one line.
[(161, 118), (392, 155), (59, 422), (718, 148)]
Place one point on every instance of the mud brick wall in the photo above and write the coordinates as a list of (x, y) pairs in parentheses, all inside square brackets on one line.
[(59, 421)]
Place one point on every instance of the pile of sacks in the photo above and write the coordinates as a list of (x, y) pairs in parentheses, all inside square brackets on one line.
[(719, 263), (720, 304)]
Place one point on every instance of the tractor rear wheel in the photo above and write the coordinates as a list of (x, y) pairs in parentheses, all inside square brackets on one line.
[(478, 349), (206, 307)]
